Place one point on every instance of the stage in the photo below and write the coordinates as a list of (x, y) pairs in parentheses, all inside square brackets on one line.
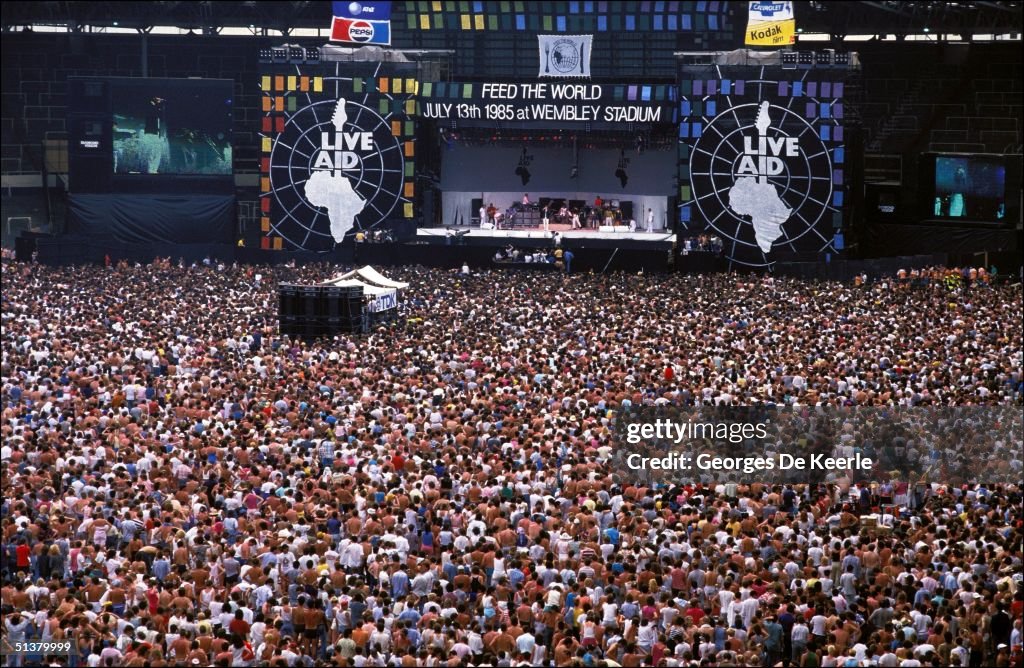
[(599, 238)]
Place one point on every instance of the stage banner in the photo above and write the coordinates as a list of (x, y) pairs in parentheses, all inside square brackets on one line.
[(337, 151), (762, 160), (544, 101), (564, 56), (770, 24), (361, 22)]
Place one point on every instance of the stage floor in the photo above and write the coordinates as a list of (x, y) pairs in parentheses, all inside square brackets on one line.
[(431, 233)]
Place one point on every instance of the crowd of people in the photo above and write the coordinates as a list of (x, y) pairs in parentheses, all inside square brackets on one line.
[(182, 486)]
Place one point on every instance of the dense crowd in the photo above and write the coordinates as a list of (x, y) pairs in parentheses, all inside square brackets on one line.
[(182, 486)]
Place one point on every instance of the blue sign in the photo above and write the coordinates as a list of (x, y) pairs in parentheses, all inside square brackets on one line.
[(367, 11)]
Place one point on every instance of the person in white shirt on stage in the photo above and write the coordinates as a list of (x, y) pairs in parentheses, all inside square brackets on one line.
[(650, 220), (483, 215), (576, 220)]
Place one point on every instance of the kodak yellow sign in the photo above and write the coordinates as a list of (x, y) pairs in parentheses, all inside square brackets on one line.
[(770, 24)]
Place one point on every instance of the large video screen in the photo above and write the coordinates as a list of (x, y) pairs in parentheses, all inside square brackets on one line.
[(972, 187), (171, 126)]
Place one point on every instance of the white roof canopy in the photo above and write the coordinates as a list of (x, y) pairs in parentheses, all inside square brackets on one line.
[(369, 289), (368, 274)]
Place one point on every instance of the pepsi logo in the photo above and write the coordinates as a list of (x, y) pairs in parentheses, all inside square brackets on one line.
[(360, 31)]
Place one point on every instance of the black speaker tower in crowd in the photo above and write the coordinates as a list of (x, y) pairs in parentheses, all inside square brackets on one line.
[(318, 311)]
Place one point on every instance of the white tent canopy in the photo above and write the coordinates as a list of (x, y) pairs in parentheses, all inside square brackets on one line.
[(369, 289), (368, 274)]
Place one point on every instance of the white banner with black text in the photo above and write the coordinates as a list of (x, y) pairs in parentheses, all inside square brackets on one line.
[(564, 55)]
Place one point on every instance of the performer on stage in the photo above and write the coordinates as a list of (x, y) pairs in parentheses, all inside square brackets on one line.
[(650, 220), (545, 217), (483, 215), (526, 199), (576, 220)]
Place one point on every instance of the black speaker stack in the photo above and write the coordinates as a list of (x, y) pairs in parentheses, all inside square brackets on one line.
[(318, 311)]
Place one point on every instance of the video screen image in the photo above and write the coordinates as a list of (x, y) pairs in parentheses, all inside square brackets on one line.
[(172, 127), (970, 187)]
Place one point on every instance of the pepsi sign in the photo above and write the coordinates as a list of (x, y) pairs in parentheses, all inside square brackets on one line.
[(360, 31)]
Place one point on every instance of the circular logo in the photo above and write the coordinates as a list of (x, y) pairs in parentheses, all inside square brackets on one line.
[(360, 31), (355, 9), (565, 57), (336, 168), (762, 180)]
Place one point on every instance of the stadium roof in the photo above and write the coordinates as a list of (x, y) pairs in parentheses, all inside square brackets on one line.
[(835, 18)]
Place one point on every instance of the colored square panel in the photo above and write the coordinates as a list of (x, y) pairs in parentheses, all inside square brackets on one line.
[(411, 86), (264, 165), (837, 177), (741, 87), (713, 22), (839, 155), (684, 193), (811, 111), (409, 190), (428, 88), (492, 22), (265, 243), (837, 110), (279, 124), (265, 83), (384, 85), (837, 198), (318, 84), (698, 107), (293, 82), (435, 6), (574, 7), (837, 90), (711, 108), (265, 184), (266, 124), (279, 83), (410, 169), (645, 93), (549, 24), (602, 23), (826, 89), (837, 133), (712, 88), (798, 88), (465, 21), (304, 84), (825, 132), (630, 22), (357, 85), (410, 149), (684, 130), (397, 86), (410, 127), (266, 144), (685, 214), (560, 23), (673, 22), (697, 130), (698, 87), (725, 87), (264, 224), (384, 108), (631, 93), (424, 21), (824, 110), (467, 91), (520, 22), (812, 89), (783, 88), (686, 88), (478, 22), (410, 107), (268, 103), (407, 209), (265, 204), (396, 128), (438, 21), (278, 243), (292, 104), (687, 22), (659, 22), (478, 7)]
